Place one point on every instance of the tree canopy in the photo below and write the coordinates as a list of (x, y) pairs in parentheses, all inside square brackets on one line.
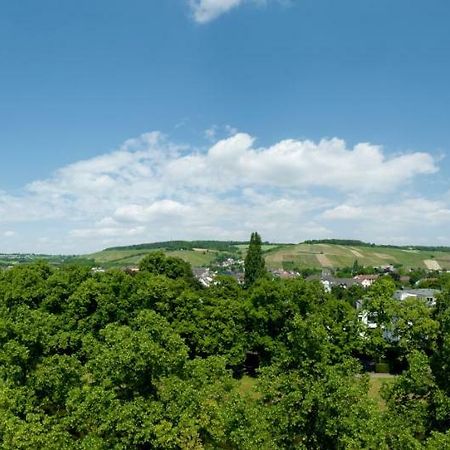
[(254, 263), (153, 360)]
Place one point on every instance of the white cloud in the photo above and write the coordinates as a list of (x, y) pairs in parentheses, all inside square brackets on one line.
[(210, 133), (109, 232), (214, 131), (409, 211), (329, 163), (410, 220), (152, 189), (206, 10), (157, 211)]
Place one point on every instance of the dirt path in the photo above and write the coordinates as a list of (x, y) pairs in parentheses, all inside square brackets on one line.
[(383, 256), (324, 261), (356, 253), (381, 375)]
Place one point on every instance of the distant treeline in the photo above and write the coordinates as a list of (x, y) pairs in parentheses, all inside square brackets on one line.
[(7, 260), (224, 246), (340, 242), (355, 242)]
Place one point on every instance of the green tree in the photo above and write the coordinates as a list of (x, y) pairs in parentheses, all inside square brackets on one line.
[(157, 263), (254, 261), (326, 410), (356, 268)]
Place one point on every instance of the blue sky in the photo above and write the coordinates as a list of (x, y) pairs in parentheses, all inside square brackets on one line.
[(301, 119)]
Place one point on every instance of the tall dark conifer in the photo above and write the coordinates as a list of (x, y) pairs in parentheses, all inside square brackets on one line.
[(254, 261)]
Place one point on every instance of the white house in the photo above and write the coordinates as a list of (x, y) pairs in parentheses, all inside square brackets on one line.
[(366, 280)]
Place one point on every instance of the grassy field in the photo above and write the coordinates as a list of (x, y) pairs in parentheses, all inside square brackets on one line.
[(123, 258), (195, 258)]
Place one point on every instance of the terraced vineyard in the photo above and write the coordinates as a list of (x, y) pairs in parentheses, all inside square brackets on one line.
[(301, 256), (331, 255)]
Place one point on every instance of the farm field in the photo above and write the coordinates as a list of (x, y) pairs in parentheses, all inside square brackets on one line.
[(301, 256), (123, 258), (333, 256)]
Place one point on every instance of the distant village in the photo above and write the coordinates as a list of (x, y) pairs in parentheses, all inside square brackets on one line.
[(234, 267), (329, 281)]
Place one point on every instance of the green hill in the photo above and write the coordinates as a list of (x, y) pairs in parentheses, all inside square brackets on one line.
[(333, 255), (310, 254)]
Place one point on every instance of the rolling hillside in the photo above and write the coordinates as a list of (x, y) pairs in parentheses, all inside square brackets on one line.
[(333, 255), (305, 255), (124, 258)]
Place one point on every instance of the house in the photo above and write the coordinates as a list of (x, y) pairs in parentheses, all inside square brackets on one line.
[(369, 319), (326, 285), (284, 274), (387, 268), (366, 280), (340, 282), (204, 276), (328, 282), (429, 295)]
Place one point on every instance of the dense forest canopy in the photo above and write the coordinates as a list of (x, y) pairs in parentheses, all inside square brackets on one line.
[(152, 360)]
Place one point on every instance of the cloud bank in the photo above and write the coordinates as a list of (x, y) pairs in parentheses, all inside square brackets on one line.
[(154, 189)]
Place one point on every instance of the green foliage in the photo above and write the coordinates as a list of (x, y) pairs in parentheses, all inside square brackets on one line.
[(115, 361), (254, 262), (157, 263), (329, 410)]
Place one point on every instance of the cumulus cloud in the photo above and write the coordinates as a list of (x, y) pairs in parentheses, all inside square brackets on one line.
[(207, 10), (153, 189), (411, 220), (161, 210), (407, 211), (329, 163)]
